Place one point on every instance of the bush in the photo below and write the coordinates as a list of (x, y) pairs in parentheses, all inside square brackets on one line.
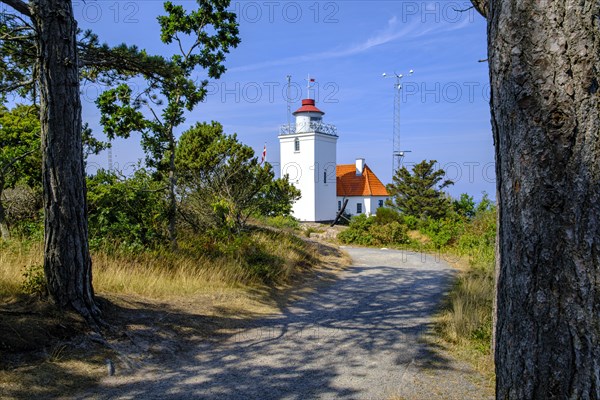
[(442, 232), (386, 215), (128, 211), (34, 280), (23, 207), (411, 221), (478, 238), (365, 231), (22, 204), (281, 222), (388, 234), (358, 231)]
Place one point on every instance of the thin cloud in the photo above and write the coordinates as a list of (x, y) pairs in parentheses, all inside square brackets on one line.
[(389, 34)]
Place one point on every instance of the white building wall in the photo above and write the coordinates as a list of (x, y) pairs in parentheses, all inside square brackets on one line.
[(306, 169), (352, 202), (370, 204), (375, 203), (325, 179)]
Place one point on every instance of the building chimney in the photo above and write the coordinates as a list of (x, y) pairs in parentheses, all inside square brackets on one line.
[(360, 166)]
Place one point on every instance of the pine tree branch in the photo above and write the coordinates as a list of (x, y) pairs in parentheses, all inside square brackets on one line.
[(5, 168), (16, 85), (481, 6), (18, 5)]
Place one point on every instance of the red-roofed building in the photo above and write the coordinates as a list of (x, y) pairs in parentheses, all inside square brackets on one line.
[(308, 158), (361, 187)]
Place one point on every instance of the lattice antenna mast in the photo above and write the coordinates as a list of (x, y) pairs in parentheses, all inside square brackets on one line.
[(289, 102), (397, 152)]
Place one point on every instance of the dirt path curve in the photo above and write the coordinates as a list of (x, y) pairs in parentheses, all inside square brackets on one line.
[(358, 338)]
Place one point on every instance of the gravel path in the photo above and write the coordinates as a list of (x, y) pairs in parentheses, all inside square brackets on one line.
[(357, 338)]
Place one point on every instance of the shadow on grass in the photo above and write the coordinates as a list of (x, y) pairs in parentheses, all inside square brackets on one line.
[(45, 353)]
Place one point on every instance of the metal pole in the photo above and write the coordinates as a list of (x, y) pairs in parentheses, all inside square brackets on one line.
[(397, 104), (289, 107)]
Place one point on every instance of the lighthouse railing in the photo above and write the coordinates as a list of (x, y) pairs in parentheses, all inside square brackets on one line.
[(319, 127)]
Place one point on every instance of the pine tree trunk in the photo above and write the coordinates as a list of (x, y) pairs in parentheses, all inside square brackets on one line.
[(544, 68), (172, 197), (67, 261)]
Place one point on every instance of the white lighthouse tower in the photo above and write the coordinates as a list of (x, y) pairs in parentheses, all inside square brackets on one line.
[(308, 157)]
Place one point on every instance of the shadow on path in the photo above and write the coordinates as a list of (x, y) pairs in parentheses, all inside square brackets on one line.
[(354, 339)]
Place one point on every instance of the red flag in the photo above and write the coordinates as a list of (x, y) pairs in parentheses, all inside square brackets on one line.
[(264, 154)]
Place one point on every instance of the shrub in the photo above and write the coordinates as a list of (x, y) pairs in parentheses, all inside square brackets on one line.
[(411, 221), (365, 231), (386, 215), (358, 231), (479, 237), (34, 280), (388, 234), (442, 231), (129, 211), (23, 207), (22, 204), (281, 222)]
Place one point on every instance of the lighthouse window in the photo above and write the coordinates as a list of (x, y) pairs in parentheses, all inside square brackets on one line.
[(325, 177), (297, 144)]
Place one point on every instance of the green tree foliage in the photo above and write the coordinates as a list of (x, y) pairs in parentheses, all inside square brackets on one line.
[(20, 156), (442, 231), (464, 206), (420, 193), (222, 183), (386, 215), (202, 38), (98, 62), (34, 35), (129, 211), (277, 197)]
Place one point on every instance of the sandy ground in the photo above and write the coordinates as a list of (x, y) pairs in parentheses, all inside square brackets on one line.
[(356, 338)]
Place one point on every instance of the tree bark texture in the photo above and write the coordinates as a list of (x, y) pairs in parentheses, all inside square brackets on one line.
[(544, 68), (67, 261), (172, 196)]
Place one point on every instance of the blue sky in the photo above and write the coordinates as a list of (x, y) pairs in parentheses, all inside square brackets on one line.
[(345, 46)]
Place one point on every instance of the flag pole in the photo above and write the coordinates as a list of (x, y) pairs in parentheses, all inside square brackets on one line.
[(289, 101)]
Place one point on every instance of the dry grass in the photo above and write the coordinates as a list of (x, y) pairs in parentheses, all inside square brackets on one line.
[(274, 256), (14, 257), (465, 322), (184, 295)]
